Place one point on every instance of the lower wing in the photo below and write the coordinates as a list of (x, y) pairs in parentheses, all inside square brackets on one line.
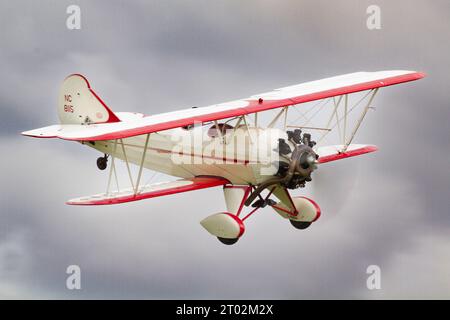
[(150, 191)]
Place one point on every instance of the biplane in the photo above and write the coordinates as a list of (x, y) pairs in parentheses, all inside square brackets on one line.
[(250, 147)]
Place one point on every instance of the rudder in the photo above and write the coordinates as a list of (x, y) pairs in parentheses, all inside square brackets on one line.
[(79, 104)]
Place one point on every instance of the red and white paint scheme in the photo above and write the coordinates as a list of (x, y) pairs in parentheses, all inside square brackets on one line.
[(227, 144)]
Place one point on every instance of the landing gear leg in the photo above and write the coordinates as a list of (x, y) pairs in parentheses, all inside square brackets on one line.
[(102, 162)]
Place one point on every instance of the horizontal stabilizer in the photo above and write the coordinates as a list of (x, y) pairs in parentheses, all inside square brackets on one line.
[(333, 153), (53, 131), (150, 191)]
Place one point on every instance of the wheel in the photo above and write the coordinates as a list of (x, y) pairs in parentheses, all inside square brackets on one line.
[(102, 163), (228, 241), (300, 224)]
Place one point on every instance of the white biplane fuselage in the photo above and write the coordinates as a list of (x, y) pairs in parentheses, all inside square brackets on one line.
[(218, 145), (241, 156)]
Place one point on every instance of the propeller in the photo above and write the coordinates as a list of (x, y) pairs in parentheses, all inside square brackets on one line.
[(296, 170)]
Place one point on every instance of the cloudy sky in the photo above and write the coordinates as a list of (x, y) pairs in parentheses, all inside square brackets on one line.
[(390, 208)]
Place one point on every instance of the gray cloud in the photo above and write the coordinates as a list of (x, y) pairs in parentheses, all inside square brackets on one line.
[(389, 208)]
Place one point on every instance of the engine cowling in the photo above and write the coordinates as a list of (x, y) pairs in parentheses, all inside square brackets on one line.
[(298, 160)]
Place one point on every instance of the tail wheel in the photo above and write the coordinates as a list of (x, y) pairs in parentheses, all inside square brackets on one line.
[(102, 162), (228, 241), (300, 224)]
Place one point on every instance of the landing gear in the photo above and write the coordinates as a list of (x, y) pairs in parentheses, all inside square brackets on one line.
[(300, 224), (227, 241), (261, 203), (102, 162)]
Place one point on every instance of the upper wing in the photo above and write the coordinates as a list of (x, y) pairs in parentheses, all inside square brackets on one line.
[(282, 97), (150, 191)]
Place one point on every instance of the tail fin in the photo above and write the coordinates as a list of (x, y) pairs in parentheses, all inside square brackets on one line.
[(79, 104)]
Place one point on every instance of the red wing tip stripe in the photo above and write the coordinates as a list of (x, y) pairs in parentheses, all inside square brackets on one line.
[(404, 78), (419, 75), (348, 154)]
